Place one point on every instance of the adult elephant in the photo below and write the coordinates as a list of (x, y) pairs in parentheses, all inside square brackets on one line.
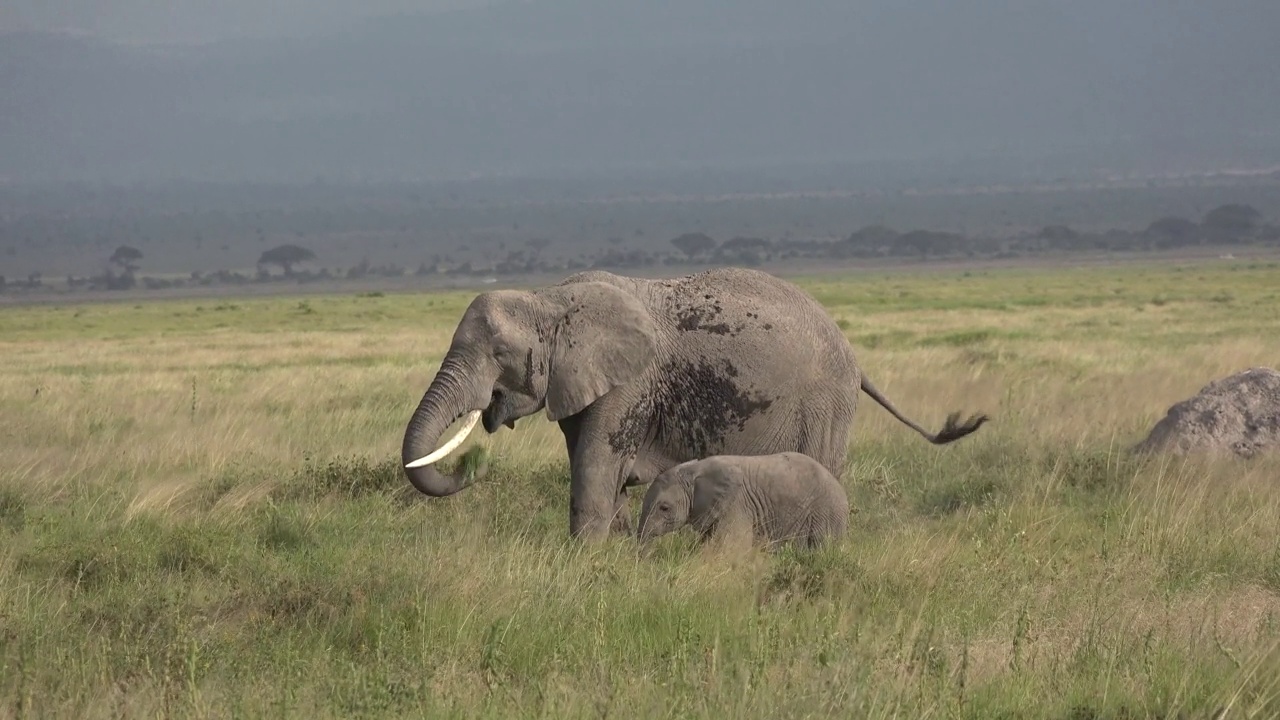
[(643, 374)]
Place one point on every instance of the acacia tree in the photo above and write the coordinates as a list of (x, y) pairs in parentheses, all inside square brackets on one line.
[(285, 257), (1170, 231), (927, 242), (868, 239), (126, 258), (1232, 221), (694, 244)]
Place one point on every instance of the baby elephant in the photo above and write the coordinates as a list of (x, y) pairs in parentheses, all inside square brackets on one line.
[(779, 498)]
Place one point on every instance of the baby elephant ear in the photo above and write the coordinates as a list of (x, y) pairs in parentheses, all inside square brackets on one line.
[(602, 337), (713, 485)]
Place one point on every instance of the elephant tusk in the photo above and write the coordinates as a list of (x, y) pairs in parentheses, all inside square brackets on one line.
[(472, 418)]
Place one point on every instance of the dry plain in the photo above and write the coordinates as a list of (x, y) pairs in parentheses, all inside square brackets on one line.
[(202, 515)]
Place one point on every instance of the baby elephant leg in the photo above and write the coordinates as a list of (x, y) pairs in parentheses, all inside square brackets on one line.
[(734, 532)]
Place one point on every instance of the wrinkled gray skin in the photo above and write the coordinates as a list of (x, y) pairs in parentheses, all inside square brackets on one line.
[(783, 497), (644, 374)]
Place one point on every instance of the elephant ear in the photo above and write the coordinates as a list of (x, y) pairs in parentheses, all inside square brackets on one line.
[(714, 484), (602, 338)]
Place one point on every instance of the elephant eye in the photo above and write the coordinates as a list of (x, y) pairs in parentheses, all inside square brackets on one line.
[(664, 506)]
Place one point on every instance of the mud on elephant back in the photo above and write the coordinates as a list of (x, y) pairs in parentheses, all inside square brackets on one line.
[(1237, 415), (643, 374)]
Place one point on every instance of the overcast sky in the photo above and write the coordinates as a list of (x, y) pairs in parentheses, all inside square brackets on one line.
[(165, 21), (533, 86)]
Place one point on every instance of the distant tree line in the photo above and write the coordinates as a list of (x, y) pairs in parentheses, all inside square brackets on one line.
[(1225, 225)]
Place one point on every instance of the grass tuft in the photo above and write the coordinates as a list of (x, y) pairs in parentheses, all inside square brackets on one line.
[(345, 477)]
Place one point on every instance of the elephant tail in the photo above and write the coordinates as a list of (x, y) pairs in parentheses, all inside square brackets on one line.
[(951, 431)]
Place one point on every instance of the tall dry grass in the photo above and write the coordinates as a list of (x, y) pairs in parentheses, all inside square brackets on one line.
[(201, 514)]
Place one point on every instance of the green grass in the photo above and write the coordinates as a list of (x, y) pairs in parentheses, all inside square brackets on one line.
[(207, 521)]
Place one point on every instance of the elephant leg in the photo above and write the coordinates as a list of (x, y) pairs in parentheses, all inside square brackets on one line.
[(570, 427), (597, 496), (640, 472), (649, 464), (827, 442), (595, 492)]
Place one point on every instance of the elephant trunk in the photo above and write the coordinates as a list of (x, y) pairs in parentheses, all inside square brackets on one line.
[(447, 399)]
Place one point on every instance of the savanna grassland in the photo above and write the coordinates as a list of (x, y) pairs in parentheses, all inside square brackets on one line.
[(202, 515)]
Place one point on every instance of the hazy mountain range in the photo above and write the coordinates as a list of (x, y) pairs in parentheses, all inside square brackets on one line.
[(560, 86)]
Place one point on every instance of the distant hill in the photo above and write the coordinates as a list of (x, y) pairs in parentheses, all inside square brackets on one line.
[(572, 85)]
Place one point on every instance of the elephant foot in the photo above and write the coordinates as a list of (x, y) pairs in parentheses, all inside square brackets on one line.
[(598, 525), (591, 531), (592, 526)]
